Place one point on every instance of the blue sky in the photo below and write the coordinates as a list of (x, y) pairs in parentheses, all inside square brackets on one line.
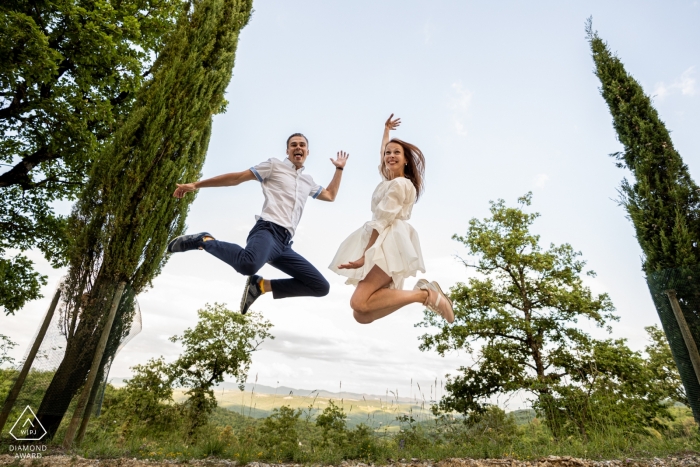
[(501, 98)]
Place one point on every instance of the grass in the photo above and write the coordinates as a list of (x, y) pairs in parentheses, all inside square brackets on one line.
[(376, 431), (244, 443), (232, 435)]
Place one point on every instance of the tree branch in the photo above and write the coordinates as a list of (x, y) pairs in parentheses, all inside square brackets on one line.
[(19, 174), (15, 108)]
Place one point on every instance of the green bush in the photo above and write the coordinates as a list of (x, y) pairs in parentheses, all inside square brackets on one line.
[(278, 434), (363, 444), (333, 422)]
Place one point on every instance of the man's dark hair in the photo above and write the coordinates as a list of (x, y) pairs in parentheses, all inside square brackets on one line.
[(297, 134)]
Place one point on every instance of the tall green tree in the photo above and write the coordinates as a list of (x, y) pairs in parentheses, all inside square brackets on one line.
[(662, 201), (523, 309), (69, 70), (126, 214), (220, 345)]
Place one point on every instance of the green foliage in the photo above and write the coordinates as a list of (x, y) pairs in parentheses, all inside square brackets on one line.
[(148, 393), (662, 366), (489, 434), (363, 444), (608, 385), (523, 309), (32, 391), (6, 344), (220, 345), (60, 102), (278, 434), (663, 202), (333, 422), (126, 213), (19, 283), (487, 431), (493, 426)]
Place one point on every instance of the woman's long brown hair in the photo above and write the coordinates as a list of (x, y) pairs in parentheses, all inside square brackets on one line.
[(415, 165)]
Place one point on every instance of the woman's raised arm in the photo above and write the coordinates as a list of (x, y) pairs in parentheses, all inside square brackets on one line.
[(388, 126)]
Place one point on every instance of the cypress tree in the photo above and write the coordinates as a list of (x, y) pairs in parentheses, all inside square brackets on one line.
[(662, 202), (126, 213)]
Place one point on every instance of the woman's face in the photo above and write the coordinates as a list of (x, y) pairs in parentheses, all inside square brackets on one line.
[(394, 159)]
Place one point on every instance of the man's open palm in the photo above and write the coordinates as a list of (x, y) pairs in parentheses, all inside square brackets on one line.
[(341, 160)]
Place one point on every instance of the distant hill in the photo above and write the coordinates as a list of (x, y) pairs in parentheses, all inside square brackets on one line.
[(286, 391), (259, 401)]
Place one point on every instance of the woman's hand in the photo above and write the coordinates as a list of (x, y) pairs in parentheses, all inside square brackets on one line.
[(353, 264), (183, 188), (392, 124)]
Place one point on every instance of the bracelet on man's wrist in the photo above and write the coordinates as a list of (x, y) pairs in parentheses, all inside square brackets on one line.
[(339, 168)]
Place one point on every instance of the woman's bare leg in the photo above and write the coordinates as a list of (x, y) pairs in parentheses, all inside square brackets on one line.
[(373, 300)]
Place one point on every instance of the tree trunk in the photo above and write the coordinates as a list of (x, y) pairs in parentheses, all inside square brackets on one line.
[(75, 366)]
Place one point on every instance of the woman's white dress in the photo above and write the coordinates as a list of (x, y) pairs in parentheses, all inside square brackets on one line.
[(397, 249)]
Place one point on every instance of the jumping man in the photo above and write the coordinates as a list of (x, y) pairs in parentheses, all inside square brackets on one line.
[(286, 188)]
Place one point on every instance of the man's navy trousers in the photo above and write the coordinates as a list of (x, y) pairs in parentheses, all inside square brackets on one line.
[(271, 243)]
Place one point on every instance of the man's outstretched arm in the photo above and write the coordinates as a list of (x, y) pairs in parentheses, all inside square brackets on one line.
[(230, 179), (329, 193)]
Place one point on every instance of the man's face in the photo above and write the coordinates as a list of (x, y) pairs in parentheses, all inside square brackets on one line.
[(297, 150)]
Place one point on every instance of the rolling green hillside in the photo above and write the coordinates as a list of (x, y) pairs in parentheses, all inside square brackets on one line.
[(375, 412)]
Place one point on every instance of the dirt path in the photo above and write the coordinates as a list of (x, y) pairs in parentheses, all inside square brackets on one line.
[(552, 461)]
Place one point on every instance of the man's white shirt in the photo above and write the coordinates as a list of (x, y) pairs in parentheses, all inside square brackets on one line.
[(286, 190)]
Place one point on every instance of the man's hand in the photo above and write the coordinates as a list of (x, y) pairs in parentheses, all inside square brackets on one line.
[(182, 189), (353, 264), (392, 124), (341, 160)]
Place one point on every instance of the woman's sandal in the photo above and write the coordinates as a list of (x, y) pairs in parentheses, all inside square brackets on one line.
[(437, 301)]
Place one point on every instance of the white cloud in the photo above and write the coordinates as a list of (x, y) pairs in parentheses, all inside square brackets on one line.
[(460, 101), (685, 84), (461, 97), (540, 180)]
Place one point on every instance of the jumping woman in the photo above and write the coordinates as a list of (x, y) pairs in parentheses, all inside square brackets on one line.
[(378, 257)]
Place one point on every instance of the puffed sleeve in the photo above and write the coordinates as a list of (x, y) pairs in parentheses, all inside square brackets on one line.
[(400, 193), (262, 170), (315, 189)]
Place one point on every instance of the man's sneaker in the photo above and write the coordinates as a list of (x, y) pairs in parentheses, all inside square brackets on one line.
[(437, 301), (251, 292), (187, 242)]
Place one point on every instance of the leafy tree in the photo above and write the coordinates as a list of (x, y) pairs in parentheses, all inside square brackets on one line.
[(607, 385), (148, 388), (144, 405), (5, 346), (221, 344), (522, 309), (662, 366), (19, 283), (69, 70), (126, 214)]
